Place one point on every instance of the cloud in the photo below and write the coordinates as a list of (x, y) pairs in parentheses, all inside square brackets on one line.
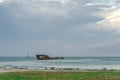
[(110, 14), (53, 11), (48, 15), (1, 1), (111, 19), (62, 27)]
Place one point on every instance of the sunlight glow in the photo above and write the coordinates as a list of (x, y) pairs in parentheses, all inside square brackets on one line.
[(112, 19), (62, 1), (1, 1)]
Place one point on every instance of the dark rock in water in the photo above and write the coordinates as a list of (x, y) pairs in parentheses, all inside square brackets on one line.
[(46, 57)]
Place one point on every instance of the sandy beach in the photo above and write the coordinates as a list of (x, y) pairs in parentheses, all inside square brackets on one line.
[(3, 70)]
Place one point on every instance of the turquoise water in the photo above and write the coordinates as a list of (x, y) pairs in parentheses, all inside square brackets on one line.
[(68, 62)]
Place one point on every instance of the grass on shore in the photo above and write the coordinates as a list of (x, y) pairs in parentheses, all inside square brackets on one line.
[(34, 75)]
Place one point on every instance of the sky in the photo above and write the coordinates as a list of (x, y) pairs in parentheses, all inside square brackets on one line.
[(60, 27)]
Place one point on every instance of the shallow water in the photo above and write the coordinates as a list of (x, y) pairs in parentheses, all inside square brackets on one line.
[(68, 62)]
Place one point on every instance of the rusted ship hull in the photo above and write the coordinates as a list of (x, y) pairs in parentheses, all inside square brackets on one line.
[(46, 57)]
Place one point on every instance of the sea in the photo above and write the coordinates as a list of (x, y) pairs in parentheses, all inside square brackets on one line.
[(69, 62)]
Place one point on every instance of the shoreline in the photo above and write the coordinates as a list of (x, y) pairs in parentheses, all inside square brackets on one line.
[(5, 70)]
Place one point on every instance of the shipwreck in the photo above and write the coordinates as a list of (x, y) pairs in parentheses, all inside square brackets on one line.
[(47, 57)]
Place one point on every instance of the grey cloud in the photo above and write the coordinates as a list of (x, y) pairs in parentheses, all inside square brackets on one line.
[(78, 15), (59, 28)]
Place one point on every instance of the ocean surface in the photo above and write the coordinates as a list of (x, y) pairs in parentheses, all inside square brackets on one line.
[(68, 62)]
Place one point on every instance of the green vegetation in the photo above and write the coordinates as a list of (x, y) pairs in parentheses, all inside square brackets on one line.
[(43, 75)]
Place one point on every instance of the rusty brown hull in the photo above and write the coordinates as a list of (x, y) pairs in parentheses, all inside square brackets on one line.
[(46, 57)]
